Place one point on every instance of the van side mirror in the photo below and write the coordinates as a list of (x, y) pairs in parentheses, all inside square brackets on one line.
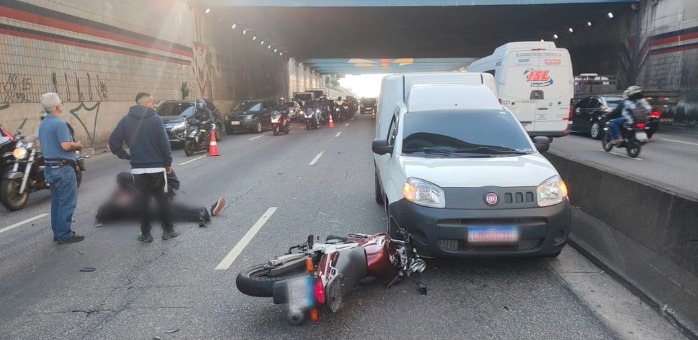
[(542, 143), (381, 147)]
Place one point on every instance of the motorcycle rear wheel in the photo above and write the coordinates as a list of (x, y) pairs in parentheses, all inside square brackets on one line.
[(633, 149), (255, 280), (9, 194)]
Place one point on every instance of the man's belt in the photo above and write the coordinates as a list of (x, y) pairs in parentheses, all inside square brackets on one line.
[(59, 162)]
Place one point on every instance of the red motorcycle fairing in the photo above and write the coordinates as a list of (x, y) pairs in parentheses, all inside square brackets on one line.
[(380, 252)]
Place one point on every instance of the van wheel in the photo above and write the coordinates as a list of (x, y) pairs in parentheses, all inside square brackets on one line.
[(379, 194)]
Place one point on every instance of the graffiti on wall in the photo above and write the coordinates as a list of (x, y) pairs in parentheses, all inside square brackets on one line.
[(201, 69), (15, 89), (81, 112)]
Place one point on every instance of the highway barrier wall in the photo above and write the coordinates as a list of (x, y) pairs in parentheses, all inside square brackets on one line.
[(645, 234)]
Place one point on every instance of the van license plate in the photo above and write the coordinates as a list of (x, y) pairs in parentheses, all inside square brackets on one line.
[(235, 122), (493, 234)]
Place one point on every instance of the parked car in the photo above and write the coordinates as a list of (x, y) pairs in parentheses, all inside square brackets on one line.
[(587, 115), (174, 113), (251, 115), (294, 109)]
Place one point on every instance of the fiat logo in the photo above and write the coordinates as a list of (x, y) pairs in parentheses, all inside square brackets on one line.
[(491, 199)]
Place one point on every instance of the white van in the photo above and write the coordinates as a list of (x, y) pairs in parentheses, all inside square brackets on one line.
[(535, 81), (395, 90), (457, 171)]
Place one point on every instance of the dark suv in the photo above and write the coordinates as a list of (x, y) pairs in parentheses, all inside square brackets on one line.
[(368, 105), (175, 113), (587, 115), (251, 115)]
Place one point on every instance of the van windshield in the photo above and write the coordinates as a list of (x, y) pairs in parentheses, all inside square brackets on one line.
[(463, 133)]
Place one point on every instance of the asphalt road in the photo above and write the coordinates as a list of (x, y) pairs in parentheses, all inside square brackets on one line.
[(171, 289), (668, 161)]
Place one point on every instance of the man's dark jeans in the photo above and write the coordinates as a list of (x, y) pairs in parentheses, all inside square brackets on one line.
[(151, 186), (64, 198)]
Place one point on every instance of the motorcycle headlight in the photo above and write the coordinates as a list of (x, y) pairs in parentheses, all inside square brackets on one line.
[(19, 153), (551, 192), (424, 193)]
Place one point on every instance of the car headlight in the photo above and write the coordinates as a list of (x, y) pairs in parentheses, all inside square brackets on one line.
[(551, 192), (19, 153), (424, 193)]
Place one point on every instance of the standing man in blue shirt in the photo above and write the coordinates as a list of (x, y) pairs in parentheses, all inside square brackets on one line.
[(151, 160), (60, 160)]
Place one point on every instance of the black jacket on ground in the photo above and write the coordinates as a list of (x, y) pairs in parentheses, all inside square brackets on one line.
[(144, 133)]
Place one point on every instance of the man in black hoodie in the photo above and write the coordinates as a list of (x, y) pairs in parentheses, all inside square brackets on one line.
[(151, 160)]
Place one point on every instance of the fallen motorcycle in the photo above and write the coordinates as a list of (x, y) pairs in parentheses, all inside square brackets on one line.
[(314, 275)]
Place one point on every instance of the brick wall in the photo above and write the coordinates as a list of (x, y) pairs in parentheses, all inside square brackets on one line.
[(98, 54)]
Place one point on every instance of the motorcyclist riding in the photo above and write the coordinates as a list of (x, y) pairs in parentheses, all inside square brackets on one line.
[(634, 104), (202, 116)]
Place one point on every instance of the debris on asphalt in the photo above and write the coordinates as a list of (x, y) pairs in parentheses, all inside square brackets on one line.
[(172, 331), (87, 269)]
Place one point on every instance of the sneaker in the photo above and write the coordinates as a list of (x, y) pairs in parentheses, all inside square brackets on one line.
[(204, 216), (217, 207), (145, 238), (74, 239), (166, 235)]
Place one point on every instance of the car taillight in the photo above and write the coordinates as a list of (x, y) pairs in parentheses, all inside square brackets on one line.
[(656, 114), (640, 125), (569, 115), (319, 292)]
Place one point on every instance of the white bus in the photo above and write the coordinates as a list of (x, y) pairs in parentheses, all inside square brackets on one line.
[(535, 81)]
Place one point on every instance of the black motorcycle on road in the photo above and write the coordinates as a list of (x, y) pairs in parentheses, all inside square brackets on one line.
[(198, 137), (634, 137), (26, 175), (312, 117)]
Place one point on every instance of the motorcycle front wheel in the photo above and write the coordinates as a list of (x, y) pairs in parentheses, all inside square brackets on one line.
[(605, 143), (190, 147), (256, 280), (276, 130), (10, 196)]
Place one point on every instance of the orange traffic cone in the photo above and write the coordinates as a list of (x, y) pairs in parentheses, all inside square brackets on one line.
[(213, 146), (331, 121)]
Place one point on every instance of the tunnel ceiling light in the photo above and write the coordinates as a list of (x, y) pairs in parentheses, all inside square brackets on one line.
[(555, 36), (571, 30), (208, 10), (244, 31), (254, 38), (542, 40), (234, 25), (275, 50), (282, 53), (269, 47), (588, 23), (610, 15)]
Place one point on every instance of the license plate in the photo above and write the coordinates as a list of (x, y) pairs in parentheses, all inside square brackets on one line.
[(493, 234), (235, 122), (641, 135), (300, 292)]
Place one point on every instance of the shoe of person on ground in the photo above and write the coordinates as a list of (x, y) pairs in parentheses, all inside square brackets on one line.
[(217, 207)]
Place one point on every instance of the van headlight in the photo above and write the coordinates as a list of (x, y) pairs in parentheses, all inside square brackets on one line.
[(19, 153), (424, 193), (551, 192)]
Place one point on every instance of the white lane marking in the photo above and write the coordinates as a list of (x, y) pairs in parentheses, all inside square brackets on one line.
[(233, 254), (316, 159), (347, 124), (622, 155), (678, 141), (337, 135), (260, 136), (21, 223), (191, 160)]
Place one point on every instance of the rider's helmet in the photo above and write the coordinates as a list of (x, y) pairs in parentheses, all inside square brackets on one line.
[(200, 104), (634, 92)]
